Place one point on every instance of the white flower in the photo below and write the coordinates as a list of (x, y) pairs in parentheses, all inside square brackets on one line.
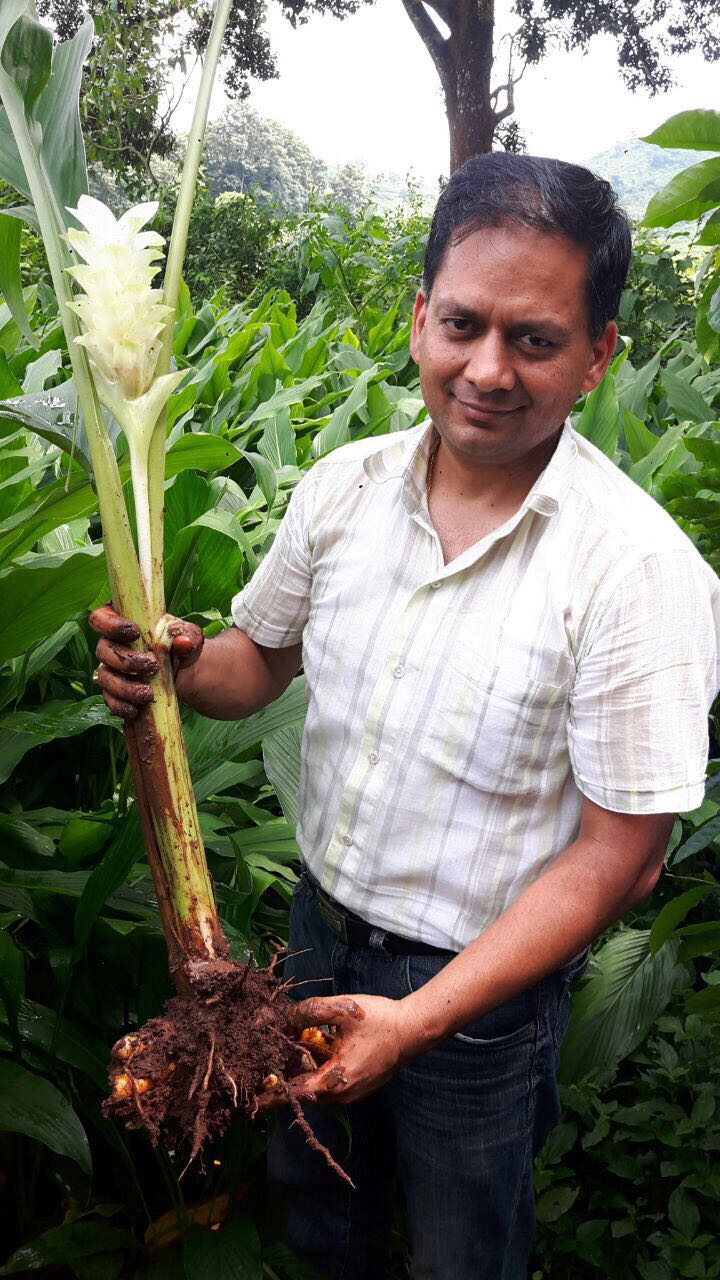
[(121, 314)]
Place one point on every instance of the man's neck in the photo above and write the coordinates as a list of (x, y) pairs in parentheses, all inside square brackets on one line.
[(503, 483), (468, 502)]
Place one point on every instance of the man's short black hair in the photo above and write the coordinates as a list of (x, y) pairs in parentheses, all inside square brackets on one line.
[(549, 195)]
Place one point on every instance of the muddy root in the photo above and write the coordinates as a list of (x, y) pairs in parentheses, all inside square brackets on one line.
[(184, 1075)]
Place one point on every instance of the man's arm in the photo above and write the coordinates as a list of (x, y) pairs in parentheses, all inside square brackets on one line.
[(234, 676), (612, 865)]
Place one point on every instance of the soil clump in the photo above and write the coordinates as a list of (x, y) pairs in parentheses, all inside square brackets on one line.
[(185, 1074)]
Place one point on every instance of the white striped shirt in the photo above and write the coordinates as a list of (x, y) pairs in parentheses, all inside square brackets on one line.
[(458, 713)]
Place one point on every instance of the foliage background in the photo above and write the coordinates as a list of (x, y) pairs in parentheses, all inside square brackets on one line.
[(293, 330)]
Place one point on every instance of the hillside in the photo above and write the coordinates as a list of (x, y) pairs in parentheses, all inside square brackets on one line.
[(637, 170)]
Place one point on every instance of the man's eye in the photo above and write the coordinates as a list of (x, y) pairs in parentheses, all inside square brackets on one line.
[(536, 342), (457, 324)]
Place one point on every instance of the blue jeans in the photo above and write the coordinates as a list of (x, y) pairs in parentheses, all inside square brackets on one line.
[(458, 1127)]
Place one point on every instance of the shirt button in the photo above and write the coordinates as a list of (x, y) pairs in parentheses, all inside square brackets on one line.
[(399, 672), (435, 585), (347, 840), (373, 757)]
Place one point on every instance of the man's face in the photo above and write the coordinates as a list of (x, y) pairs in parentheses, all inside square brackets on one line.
[(503, 344)]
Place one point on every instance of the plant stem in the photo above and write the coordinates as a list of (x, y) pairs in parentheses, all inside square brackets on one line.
[(171, 288), (159, 764)]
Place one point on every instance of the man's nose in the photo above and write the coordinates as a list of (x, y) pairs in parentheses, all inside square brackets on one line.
[(489, 366)]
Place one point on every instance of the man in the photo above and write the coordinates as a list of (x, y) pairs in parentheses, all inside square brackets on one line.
[(510, 652)]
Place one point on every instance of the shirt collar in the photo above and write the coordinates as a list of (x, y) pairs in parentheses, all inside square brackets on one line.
[(407, 456)]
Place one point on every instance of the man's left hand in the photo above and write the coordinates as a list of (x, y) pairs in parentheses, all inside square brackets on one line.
[(374, 1037)]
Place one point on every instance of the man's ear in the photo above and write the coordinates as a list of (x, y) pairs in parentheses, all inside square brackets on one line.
[(602, 353), (418, 322)]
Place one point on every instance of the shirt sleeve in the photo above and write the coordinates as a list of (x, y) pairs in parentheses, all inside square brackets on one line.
[(646, 678), (274, 606)]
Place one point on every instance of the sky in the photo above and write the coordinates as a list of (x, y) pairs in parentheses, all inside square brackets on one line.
[(365, 90)]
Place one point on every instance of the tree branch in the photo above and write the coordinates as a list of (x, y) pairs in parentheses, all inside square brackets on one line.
[(443, 8), (434, 41)]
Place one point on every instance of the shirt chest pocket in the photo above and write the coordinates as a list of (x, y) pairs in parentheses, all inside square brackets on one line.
[(495, 729)]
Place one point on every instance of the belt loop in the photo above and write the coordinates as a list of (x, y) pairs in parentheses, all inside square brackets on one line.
[(377, 938)]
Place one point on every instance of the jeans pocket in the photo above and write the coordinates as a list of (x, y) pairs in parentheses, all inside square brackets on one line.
[(511, 1023), (567, 977)]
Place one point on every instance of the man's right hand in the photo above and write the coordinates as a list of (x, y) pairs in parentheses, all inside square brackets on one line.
[(123, 672)]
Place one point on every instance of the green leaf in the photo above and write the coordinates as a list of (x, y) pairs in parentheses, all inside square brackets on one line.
[(232, 1253), (45, 591), (281, 755), (65, 1244), (552, 1204), (40, 371), (684, 400), (639, 439), (675, 911), (43, 1029), (699, 939), (27, 58), (209, 741), (57, 111), (10, 282), (625, 990), (283, 399), (698, 841), (600, 419), (52, 505), (286, 1263), (277, 443), (112, 872), (683, 1213), (265, 476), (687, 196), (33, 1106), (689, 131), (337, 430), (22, 730), (12, 976), (196, 451)]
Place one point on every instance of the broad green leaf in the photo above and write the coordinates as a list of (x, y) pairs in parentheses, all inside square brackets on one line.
[(683, 1213), (202, 452), (642, 471), (265, 476), (124, 852), (282, 399), (698, 841), (555, 1202), (684, 400), (687, 196), (689, 131), (600, 418), (624, 991), (33, 1106), (40, 1027), (706, 334), (57, 111), (281, 755), (277, 443), (10, 282), (41, 370), (12, 976), (208, 741), (337, 430), (45, 591), (27, 58), (639, 439), (66, 1244), (52, 505), (673, 912), (699, 939), (286, 1264), (231, 1253)]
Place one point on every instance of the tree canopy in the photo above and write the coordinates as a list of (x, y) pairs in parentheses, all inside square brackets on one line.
[(144, 46)]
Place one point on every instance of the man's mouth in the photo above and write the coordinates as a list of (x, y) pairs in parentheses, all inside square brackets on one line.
[(474, 409)]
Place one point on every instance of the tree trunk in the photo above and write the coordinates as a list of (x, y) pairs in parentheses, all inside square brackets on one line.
[(464, 62), (471, 118)]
